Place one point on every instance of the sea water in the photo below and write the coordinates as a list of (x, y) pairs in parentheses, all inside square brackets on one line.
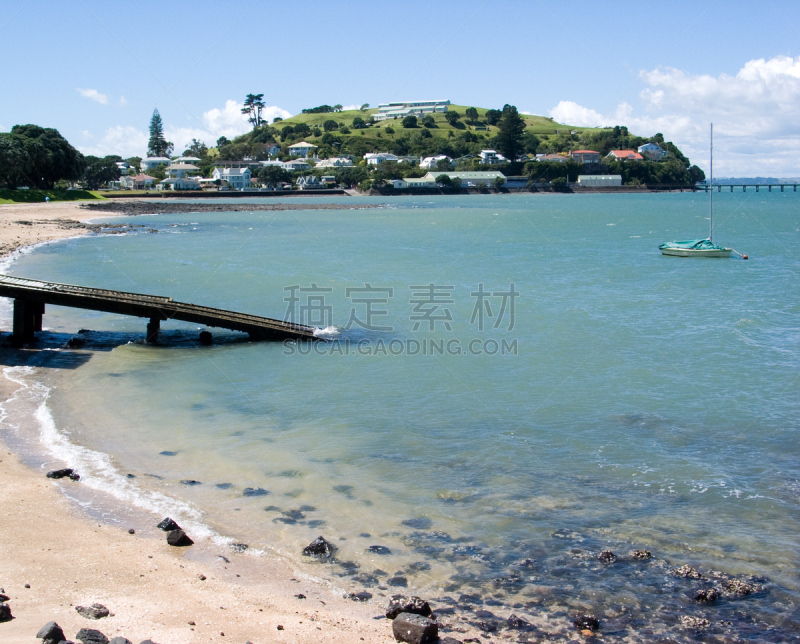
[(509, 385)]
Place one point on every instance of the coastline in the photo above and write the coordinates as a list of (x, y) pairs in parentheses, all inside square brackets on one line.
[(154, 590)]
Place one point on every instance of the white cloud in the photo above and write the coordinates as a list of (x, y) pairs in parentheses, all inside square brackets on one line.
[(123, 101), (94, 95), (120, 140), (756, 115), (350, 107)]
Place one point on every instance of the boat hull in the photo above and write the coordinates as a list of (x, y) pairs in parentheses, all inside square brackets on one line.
[(697, 252)]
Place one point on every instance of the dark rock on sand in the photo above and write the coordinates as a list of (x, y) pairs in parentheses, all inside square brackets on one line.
[(67, 472), (450, 640), (190, 482), (379, 550), (147, 642), (95, 611), (518, 623), (487, 626), (320, 549), (254, 491), (51, 633), (361, 597), (224, 486), (239, 547), (365, 579), (5, 613), (586, 623), (179, 539), (166, 452), (419, 566), (405, 604), (294, 514), (91, 636), (607, 556), (414, 629), (120, 640), (168, 525), (3, 598), (706, 595), (397, 581)]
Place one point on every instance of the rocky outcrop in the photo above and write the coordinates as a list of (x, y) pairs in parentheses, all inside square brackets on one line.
[(51, 633), (414, 629), (91, 636), (168, 525), (407, 604), (179, 539), (67, 472), (95, 611), (5, 613), (320, 549)]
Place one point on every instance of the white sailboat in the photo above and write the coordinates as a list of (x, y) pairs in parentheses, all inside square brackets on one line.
[(700, 247)]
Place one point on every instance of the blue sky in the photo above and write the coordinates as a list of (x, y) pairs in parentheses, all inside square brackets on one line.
[(96, 69)]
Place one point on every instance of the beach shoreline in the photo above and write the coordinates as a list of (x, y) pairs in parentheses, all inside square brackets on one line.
[(156, 591)]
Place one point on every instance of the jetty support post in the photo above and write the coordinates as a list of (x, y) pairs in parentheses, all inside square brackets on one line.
[(27, 320), (153, 327)]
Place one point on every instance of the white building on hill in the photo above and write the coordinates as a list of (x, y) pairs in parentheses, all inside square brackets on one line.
[(410, 108), (238, 178)]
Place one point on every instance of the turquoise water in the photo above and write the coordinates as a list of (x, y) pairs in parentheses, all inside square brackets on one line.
[(637, 401)]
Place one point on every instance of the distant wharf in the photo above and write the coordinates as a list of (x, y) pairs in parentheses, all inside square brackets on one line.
[(745, 186)]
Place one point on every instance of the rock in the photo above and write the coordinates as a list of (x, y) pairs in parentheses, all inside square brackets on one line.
[(91, 636), (167, 452), (641, 554), (518, 623), (60, 474), (147, 642), (300, 596), (201, 577), (397, 581), (74, 477), (3, 598), (379, 550), (450, 640), (280, 627), (51, 633), (120, 640), (5, 613), (405, 604), (206, 339), (418, 566), (687, 572), (586, 623), (95, 611), (168, 525), (694, 623), (131, 531), (239, 547), (319, 549), (363, 596), (179, 539), (607, 556), (738, 587), (414, 629), (706, 596), (75, 343), (254, 491), (190, 482), (420, 523)]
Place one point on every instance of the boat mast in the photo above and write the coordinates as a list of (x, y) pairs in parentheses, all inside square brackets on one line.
[(711, 187)]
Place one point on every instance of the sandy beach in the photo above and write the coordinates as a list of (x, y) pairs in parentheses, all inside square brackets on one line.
[(153, 590)]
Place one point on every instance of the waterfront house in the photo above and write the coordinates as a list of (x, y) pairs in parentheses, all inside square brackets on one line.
[(302, 149), (585, 156), (179, 183), (179, 170), (429, 163), (558, 158), (237, 178), (491, 157), (192, 160), (153, 162), (625, 155), (335, 162), (296, 164), (468, 179), (379, 157), (652, 151), (272, 149), (309, 182), (139, 182), (599, 180)]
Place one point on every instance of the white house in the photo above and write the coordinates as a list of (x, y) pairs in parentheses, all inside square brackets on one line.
[(179, 183), (309, 182), (652, 151), (374, 158), (469, 179), (152, 162), (431, 162), (558, 158), (238, 178), (192, 160), (335, 162), (491, 157), (272, 149), (302, 149), (409, 108), (178, 170), (139, 182), (296, 164), (123, 166), (599, 180)]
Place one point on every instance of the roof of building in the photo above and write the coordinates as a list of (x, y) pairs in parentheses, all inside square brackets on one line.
[(187, 159), (233, 171), (303, 144), (143, 177), (467, 176), (161, 159), (599, 176), (627, 154), (182, 166), (585, 152)]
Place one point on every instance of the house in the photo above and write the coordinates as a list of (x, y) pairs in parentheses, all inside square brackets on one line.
[(123, 166), (379, 157), (139, 182), (429, 163), (409, 108), (516, 182), (468, 179), (192, 160), (309, 182), (491, 157), (625, 155), (328, 180), (585, 156), (652, 151), (599, 180), (296, 164), (178, 183), (558, 158), (237, 178), (152, 162), (426, 182), (178, 170), (302, 149), (335, 162)]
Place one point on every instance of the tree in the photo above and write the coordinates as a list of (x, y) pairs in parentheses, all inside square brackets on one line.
[(358, 123), (286, 131), (302, 129), (344, 129), (157, 146), (364, 107), (253, 105), (222, 141), (493, 116), (499, 182), (445, 180), (472, 114), (410, 121), (15, 164), (100, 171), (428, 121), (272, 175), (330, 125), (277, 119), (389, 129), (696, 174), (196, 149), (511, 128), (43, 155), (444, 165), (560, 184), (337, 108), (452, 117), (159, 172)]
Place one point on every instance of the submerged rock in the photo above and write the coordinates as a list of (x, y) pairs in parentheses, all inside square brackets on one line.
[(414, 629), (320, 549), (179, 539), (706, 596), (91, 636), (239, 547), (419, 523), (694, 623), (51, 633), (738, 587), (518, 623), (407, 604), (607, 556), (641, 554), (67, 472), (95, 611), (363, 596), (5, 613), (190, 482), (254, 491), (687, 572), (168, 525), (586, 623), (397, 581), (379, 550)]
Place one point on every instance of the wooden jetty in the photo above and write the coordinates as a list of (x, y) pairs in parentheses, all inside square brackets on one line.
[(745, 186), (30, 297)]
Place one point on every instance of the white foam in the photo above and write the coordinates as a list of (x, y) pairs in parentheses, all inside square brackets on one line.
[(327, 331)]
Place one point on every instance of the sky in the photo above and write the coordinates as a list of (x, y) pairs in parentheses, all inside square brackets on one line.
[(96, 69)]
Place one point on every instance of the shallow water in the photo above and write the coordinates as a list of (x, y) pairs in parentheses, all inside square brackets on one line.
[(643, 402)]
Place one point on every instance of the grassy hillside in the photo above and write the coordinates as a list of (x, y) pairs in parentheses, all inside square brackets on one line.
[(38, 196)]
